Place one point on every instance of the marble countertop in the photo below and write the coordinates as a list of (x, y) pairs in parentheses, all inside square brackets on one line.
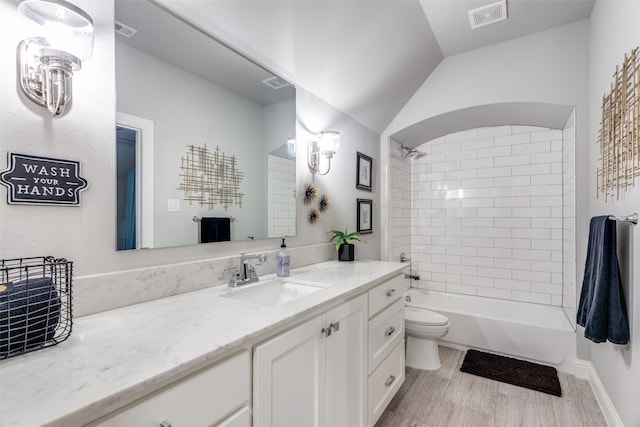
[(115, 357)]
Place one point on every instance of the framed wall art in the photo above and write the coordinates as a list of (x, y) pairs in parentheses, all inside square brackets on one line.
[(365, 216), (364, 172)]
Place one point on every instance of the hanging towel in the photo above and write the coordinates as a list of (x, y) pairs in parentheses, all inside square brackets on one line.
[(602, 309), (214, 229)]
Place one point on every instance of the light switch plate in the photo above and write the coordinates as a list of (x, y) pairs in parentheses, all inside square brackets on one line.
[(173, 205)]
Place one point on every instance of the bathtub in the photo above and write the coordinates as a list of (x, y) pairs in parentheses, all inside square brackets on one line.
[(539, 333)]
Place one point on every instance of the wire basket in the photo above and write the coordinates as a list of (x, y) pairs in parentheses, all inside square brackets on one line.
[(35, 304)]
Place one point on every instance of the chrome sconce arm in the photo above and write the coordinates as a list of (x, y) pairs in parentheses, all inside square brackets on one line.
[(327, 145), (47, 62), (46, 74)]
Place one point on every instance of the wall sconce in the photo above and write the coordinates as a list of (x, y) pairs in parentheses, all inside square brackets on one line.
[(47, 62), (327, 144)]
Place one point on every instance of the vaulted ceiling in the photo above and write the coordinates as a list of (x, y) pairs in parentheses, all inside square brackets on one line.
[(366, 57)]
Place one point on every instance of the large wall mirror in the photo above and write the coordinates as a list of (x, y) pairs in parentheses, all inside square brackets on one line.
[(206, 148)]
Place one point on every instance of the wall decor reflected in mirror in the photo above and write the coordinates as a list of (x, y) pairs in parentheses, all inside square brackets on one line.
[(179, 87)]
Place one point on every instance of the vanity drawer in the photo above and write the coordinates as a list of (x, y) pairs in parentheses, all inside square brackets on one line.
[(241, 418), (386, 330), (200, 400), (385, 382), (386, 293)]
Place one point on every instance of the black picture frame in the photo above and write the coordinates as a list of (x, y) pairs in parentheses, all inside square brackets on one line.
[(365, 216), (364, 172)]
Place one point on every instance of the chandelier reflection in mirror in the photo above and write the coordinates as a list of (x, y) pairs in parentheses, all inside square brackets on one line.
[(47, 62), (210, 178)]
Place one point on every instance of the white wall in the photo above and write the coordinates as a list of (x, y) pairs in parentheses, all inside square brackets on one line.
[(178, 103), (614, 32), (86, 234), (569, 280), (400, 210)]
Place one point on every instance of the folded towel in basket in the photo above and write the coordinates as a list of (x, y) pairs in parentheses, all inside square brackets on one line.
[(29, 314)]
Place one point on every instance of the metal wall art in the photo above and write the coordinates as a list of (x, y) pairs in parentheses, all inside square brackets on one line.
[(619, 136), (210, 178), (311, 194)]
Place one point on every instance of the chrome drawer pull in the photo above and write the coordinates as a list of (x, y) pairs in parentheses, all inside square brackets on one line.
[(390, 292), (165, 424), (390, 330), (335, 326), (389, 381)]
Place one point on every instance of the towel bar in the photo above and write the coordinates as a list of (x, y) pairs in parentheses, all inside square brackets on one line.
[(633, 218), (197, 219)]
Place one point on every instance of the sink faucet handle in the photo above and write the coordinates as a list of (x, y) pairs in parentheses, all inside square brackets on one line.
[(234, 270)]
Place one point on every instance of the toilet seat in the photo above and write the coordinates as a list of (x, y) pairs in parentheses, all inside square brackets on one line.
[(422, 316)]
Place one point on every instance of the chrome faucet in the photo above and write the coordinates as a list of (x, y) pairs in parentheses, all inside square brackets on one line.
[(247, 272)]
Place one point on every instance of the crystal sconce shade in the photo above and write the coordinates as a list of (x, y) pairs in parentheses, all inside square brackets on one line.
[(326, 146), (47, 62)]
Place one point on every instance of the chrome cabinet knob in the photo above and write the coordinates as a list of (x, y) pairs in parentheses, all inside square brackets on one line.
[(165, 424), (390, 330), (390, 380), (390, 292)]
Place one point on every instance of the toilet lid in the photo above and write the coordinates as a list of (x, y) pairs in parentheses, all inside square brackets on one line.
[(424, 316)]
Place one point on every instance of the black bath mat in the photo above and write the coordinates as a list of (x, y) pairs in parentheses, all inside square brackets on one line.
[(512, 371)]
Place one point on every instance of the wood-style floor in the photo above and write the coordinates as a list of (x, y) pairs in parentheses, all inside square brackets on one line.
[(448, 397)]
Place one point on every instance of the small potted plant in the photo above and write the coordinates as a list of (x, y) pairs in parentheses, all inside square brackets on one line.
[(343, 247)]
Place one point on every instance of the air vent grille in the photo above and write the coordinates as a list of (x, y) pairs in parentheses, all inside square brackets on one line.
[(276, 82), (489, 14), (125, 30)]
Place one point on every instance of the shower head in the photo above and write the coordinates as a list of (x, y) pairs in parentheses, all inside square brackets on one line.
[(408, 152)]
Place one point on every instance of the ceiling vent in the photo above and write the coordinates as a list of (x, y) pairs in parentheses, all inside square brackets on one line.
[(125, 30), (276, 82), (489, 14)]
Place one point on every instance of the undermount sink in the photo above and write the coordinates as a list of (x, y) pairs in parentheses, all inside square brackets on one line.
[(274, 292)]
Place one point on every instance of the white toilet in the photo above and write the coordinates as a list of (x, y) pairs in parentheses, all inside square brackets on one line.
[(423, 328)]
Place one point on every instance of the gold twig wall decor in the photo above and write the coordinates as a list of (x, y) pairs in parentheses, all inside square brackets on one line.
[(210, 178), (619, 131)]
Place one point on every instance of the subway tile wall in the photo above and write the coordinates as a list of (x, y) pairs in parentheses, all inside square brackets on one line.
[(281, 203), (487, 210)]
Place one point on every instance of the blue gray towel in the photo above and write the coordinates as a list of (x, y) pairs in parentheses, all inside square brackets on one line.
[(602, 309), (29, 315)]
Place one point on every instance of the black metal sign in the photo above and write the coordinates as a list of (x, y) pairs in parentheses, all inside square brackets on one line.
[(39, 180)]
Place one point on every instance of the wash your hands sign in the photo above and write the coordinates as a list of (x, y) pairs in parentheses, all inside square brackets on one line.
[(36, 180)]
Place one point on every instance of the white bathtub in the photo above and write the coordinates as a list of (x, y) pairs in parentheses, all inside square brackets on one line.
[(535, 332)]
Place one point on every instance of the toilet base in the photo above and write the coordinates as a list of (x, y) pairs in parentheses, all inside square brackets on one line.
[(422, 354)]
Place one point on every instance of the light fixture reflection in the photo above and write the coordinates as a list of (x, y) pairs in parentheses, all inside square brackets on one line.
[(48, 61), (291, 147)]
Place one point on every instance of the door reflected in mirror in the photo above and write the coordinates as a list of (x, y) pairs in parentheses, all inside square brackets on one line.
[(179, 88)]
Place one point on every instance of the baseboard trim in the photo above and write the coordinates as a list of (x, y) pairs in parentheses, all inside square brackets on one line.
[(585, 370)]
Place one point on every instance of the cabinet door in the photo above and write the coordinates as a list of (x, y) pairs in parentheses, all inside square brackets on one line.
[(289, 384), (346, 364)]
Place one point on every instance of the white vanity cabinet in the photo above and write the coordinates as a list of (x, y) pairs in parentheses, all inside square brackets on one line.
[(216, 396), (314, 375), (386, 344)]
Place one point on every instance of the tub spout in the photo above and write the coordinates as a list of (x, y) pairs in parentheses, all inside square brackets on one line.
[(412, 276)]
